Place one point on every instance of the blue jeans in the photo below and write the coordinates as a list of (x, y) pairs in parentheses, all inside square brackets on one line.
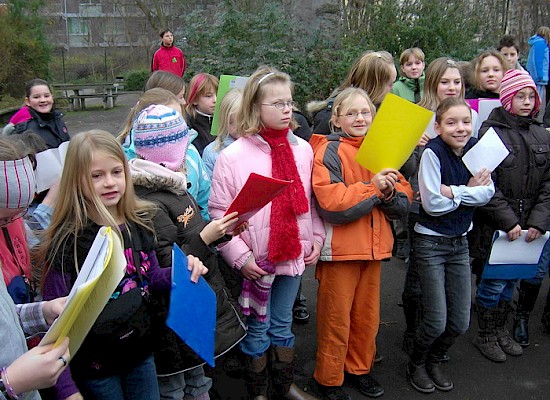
[(277, 330), (444, 269), (140, 383), (544, 263), (491, 291), (192, 383)]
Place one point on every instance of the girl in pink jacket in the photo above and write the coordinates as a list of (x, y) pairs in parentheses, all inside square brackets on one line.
[(281, 239)]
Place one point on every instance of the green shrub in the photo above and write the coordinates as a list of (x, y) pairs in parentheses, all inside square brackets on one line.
[(135, 80)]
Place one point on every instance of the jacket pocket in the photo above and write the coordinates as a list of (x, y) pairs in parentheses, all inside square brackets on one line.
[(540, 155)]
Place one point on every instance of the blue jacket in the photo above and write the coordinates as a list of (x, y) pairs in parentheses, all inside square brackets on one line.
[(537, 60)]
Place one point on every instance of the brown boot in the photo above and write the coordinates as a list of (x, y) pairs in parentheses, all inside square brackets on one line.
[(256, 377), (282, 375)]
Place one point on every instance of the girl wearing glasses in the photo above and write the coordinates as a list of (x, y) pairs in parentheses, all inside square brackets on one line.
[(356, 205), (281, 239)]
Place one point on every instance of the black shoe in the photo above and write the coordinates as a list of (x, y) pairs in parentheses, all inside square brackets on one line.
[(419, 379), (366, 384), (334, 392), (440, 380), (300, 314)]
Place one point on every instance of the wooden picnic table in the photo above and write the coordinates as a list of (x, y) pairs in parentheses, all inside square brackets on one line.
[(77, 93)]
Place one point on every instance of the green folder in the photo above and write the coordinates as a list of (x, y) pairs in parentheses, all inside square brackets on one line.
[(227, 82)]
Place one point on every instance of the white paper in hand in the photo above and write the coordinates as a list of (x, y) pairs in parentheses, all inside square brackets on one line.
[(488, 153), (517, 251)]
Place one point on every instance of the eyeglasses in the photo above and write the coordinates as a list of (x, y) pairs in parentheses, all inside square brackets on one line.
[(280, 105), (9, 220), (522, 97), (354, 114)]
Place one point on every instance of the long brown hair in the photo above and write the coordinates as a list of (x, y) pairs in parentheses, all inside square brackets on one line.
[(434, 73)]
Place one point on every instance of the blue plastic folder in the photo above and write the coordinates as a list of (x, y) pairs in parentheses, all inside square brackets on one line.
[(513, 260), (192, 311)]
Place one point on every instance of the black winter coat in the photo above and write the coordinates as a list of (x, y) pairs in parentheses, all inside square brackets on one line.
[(178, 220), (49, 127), (522, 181)]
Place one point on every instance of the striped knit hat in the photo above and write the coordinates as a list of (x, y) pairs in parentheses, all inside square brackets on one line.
[(513, 81), (161, 136), (17, 183)]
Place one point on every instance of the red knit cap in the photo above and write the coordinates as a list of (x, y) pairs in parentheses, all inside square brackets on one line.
[(513, 81)]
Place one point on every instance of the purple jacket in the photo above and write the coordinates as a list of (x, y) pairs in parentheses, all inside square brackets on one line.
[(58, 283), (234, 165)]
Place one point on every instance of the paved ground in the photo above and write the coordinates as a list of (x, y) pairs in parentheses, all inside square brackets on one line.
[(521, 378)]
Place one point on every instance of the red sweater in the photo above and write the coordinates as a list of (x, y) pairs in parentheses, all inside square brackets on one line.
[(169, 59)]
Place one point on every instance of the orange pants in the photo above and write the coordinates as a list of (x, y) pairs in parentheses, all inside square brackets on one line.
[(348, 315)]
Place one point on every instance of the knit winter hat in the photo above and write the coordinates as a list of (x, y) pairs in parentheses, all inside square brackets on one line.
[(513, 81), (17, 183), (161, 136)]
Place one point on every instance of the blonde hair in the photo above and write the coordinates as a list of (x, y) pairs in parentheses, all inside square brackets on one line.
[(343, 100), (408, 53), (371, 72), (165, 80), (199, 85), (476, 64), (248, 116), (151, 96), (229, 106), (434, 73), (73, 210)]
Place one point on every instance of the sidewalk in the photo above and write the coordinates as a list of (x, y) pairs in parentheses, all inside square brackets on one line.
[(522, 378)]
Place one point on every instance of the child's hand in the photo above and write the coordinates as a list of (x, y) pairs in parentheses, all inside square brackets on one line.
[(240, 229), (514, 233), (196, 267), (217, 228), (482, 178), (314, 255), (51, 309), (251, 271), (532, 234), (446, 191), (385, 180), (39, 367), (424, 139)]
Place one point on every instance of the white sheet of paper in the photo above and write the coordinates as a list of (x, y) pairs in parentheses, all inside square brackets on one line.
[(484, 109), (49, 166), (430, 130), (517, 251), (488, 153)]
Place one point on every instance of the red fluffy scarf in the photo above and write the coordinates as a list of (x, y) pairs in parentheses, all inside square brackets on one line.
[(284, 235)]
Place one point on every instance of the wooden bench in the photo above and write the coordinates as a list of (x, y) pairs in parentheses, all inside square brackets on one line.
[(78, 101), (76, 94)]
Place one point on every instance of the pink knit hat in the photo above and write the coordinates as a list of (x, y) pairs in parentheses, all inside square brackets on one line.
[(161, 136), (513, 81)]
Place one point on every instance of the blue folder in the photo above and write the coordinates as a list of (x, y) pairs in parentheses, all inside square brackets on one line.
[(192, 311), (509, 271)]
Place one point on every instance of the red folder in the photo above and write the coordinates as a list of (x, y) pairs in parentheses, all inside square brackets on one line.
[(256, 193)]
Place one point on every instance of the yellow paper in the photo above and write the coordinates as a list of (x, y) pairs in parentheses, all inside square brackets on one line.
[(393, 135), (88, 298)]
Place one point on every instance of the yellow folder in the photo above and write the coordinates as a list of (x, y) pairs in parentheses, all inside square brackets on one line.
[(393, 135), (101, 273)]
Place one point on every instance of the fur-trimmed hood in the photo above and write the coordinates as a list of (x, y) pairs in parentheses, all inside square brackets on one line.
[(156, 177)]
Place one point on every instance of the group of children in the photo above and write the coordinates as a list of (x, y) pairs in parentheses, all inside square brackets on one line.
[(153, 188)]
